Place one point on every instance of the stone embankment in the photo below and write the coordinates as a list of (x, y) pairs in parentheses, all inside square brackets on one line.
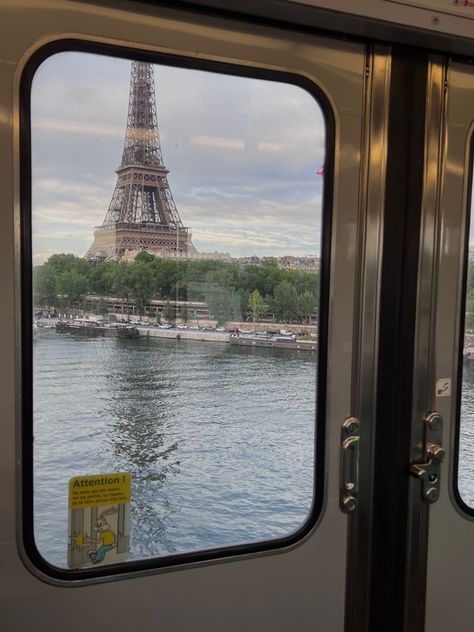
[(184, 334)]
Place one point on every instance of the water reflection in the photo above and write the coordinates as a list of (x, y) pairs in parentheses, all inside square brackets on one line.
[(140, 391), (219, 441)]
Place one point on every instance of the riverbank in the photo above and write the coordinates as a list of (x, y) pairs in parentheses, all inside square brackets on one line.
[(206, 335), (184, 334)]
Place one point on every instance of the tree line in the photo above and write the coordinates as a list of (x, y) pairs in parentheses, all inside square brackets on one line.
[(231, 291)]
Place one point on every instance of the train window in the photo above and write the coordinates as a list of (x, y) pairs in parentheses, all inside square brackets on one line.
[(465, 465), (175, 308)]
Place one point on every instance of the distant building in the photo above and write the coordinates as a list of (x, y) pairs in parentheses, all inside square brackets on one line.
[(308, 263)]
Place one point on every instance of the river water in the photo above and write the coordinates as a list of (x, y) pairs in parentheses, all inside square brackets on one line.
[(219, 440)]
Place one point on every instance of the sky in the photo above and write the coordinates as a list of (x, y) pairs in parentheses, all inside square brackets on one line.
[(242, 154)]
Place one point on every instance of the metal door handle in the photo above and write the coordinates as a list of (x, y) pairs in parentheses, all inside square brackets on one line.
[(429, 472), (349, 485)]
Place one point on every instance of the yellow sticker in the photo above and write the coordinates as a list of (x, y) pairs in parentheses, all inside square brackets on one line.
[(99, 519), (101, 489)]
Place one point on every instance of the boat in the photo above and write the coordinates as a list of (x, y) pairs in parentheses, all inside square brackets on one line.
[(86, 327), (276, 342), (126, 331)]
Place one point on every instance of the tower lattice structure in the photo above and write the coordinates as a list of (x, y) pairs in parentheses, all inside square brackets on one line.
[(142, 214)]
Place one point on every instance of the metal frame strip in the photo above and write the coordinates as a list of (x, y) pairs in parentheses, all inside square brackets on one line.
[(366, 326)]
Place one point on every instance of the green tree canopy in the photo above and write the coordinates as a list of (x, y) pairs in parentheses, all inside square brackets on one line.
[(306, 304), (168, 311), (72, 285), (141, 285), (257, 305), (285, 301)]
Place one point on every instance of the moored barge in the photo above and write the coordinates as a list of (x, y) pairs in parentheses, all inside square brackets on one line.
[(92, 328), (276, 342)]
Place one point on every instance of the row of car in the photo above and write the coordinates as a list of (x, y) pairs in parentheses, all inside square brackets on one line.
[(231, 330), (190, 327)]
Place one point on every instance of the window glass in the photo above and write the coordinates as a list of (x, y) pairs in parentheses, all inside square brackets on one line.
[(176, 224), (466, 437)]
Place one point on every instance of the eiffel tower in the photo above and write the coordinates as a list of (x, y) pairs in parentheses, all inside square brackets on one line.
[(142, 214)]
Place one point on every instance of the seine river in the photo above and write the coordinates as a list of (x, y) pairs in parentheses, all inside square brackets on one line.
[(219, 440)]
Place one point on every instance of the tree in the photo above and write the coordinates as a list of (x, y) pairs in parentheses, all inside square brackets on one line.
[(257, 305), (44, 285), (102, 277), (168, 311), (142, 286), (223, 303), (100, 307), (285, 301), (165, 276), (72, 285), (144, 257), (222, 298), (121, 285), (306, 305), (183, 313)]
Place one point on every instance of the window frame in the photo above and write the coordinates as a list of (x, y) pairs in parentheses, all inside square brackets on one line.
[(180, 560)]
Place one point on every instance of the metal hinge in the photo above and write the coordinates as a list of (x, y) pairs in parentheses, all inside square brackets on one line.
[(349, 490), (429, 472)]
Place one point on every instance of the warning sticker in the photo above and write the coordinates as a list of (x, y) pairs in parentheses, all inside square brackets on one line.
[(99, 519)]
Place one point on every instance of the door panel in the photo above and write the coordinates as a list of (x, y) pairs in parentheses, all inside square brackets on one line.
[(293, 586), (450, 569)]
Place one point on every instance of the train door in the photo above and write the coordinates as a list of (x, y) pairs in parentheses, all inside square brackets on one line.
[(441, 472), (279, 583)]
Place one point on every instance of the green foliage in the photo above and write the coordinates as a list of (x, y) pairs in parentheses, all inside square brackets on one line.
[(144, 257), (231, 291), (121, 285), (223, 303), (102, 277), (72, 285), (257, 305), (100, 307), (168, 311), (285, 301), (306, 304), (184, 314), (44, 286), (141, 285)]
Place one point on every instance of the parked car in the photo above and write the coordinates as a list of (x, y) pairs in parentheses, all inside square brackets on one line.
[(166, 326), (181, 326)]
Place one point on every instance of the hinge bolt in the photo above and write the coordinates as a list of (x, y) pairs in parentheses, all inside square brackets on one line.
[(351, 425), (350, 503), (432, 494), (434, 421), (437, 452)]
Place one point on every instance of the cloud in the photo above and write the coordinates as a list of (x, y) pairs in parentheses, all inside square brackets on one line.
[(218, 142), (77, 127), (242, 155)]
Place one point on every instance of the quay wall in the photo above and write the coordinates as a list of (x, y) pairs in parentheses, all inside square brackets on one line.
[(184, 334)]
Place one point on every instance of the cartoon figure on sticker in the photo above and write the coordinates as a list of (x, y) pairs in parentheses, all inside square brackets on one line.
[(106, 539)]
